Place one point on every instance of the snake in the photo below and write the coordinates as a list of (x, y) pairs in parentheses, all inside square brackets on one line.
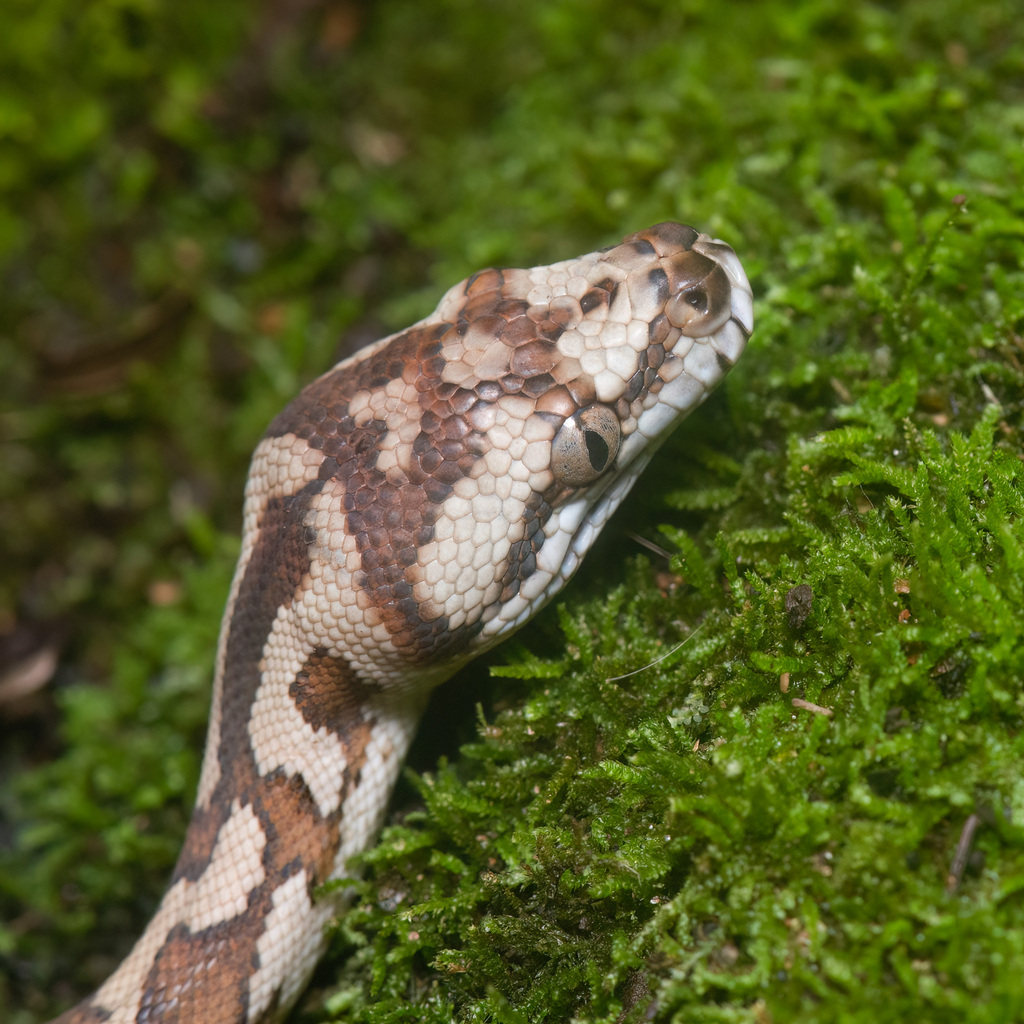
[(406, 511)]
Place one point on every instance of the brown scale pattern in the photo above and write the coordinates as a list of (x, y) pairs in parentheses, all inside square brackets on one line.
[(175, 988), (522, 557), (391, 520), (331, 696), (187, 982), (276, 569)]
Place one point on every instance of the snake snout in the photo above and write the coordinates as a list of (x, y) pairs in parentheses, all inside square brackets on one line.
[(700, 296)]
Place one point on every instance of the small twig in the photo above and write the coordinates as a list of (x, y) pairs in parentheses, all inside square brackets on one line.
[(990, 396), (28, 674), (963, 851), (799, 702), (667, 654), (651, 546)]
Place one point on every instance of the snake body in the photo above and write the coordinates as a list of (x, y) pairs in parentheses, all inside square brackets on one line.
[(406, 511)]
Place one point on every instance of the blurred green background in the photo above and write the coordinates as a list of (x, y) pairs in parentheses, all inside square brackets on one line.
[(205, 205)]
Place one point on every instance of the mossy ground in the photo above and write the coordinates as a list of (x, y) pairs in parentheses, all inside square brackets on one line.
[(205, 203)]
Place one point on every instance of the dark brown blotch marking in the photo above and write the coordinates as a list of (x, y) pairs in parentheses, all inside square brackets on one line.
[(298, 837), (597, 296), (200, 976), (657, 280), (443, 453), (461, 401), (640, 245), (511, 309), (550, 330), (479, 309), (206, 822), (330, 694), (318, 402), (280, 560), (640, 379)]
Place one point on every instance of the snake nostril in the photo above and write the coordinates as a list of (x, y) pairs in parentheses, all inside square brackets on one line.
[(701, 295), (698, 298)]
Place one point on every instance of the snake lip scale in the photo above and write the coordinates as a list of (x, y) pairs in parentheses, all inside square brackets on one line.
[(410, 508)]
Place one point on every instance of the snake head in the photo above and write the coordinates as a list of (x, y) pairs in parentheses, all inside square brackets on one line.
[(450, 477), (591, 362)]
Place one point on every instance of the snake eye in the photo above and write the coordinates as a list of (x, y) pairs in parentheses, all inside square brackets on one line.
[(585, 446)]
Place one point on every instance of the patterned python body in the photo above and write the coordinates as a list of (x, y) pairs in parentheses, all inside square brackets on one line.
[(409, 509)]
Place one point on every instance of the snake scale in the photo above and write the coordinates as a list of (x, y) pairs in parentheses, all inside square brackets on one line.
[(410, 508)]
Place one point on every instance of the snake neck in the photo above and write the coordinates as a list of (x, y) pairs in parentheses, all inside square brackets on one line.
[(242, 924)]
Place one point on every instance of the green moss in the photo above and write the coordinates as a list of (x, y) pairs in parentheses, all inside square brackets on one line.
[(640, 824)]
